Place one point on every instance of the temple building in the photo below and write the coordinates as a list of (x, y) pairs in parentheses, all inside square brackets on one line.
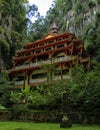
[(58, 52)]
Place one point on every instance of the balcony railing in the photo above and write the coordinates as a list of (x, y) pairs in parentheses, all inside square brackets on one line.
[(19, 82), (56, 60), (22, 66), (40, 80), (84, 59)]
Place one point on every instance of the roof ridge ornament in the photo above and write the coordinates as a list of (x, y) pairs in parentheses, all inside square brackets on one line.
[(54, 28)]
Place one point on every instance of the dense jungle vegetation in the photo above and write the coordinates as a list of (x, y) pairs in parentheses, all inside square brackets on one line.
[(16, 28)]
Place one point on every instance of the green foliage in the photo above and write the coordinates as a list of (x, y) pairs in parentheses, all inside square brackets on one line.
[(21, 100), (15, 97), (2, 107), (47, 98), (94, 47), (13, 27), (1, 29), (36, 28), (98, 1), (5, 87), (83, 91), (85, 88), (4, 50), (92, 39), (91, 3), (39, 101), (78, 19), (4, 44), (22, 96), (49, 69), (79, 7)]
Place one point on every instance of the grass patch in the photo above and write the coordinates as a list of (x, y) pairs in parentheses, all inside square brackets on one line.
[(43, 126)]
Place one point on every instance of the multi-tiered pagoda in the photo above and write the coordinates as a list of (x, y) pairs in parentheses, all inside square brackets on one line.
[(64, 50)]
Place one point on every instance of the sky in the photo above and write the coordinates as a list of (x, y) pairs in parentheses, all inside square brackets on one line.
[(43, 5)]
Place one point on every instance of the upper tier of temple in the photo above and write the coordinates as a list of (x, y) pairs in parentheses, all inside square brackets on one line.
[(65, 50)]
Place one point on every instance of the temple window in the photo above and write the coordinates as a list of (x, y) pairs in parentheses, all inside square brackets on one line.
[(60, 46), (26, 62), (42, 44), (65, 71), (20, 78), (38, 51), (52, 41), (19, 55), (40, 58), (27, 54), (60, 56), (59, 39), (68, 52), (57, 72), (68, 43), (34, 46), (40, 75), (48, 49)]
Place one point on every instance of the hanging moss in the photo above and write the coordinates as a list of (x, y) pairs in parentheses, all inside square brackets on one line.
[(79, 19), (1, 29), (91, 3), (79, 7), (88, 28), (4, 44), (97, 18), (98, 1)]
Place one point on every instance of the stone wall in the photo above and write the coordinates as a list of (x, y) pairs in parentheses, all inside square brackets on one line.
[(5, 115), (76, 117)]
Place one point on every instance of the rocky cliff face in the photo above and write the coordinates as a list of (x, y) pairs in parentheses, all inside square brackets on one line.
[(5, 36), (5, 27), (82, 14), (5, 32), (12, 29)]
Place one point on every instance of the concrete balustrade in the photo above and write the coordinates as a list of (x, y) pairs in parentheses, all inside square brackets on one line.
[(55, 60)]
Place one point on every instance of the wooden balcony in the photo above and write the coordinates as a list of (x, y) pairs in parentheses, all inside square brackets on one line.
[(18, 83), (42, 80), (84, 59), (39, 80), (56, 60)]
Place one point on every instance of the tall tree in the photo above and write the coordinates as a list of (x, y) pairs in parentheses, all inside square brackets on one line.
[(12, 28), (37, 29)]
